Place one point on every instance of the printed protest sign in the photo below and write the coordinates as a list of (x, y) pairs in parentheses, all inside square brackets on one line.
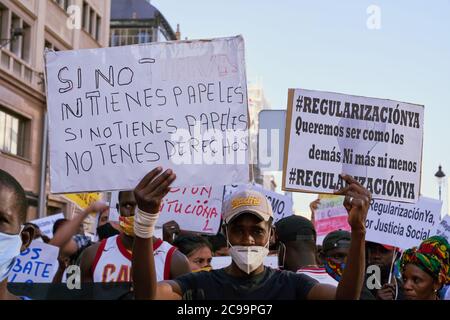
[(330, 216), (37, 264), (377, 141), (46, 224), (443, 228), (282, 205), (402, 225), (84, 200), (196, 209), (126, 110)]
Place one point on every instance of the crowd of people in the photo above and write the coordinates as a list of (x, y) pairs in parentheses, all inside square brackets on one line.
[(179, 266)]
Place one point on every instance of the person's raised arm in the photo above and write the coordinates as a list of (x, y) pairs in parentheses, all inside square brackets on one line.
[(149, 194), (313, 207), (356, 201), (63, 236)]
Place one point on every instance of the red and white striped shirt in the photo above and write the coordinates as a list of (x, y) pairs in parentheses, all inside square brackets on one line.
[(112, 262), (320, 274)]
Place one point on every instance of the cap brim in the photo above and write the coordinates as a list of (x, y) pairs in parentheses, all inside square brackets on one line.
[(256, 213)]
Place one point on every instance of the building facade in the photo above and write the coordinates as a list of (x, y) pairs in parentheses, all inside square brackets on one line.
[(27, 27), (137, 21), (256, 103)]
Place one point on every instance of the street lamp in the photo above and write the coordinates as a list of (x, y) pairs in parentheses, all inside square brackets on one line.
[(15, 33), (440, 175)]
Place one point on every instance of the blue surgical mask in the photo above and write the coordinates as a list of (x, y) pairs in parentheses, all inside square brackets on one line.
[(9, 249)]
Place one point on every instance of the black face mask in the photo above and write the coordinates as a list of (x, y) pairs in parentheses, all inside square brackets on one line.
[(106, 231)]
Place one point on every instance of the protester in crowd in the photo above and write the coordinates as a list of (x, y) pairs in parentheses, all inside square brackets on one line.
[(38, 235), (319, 255), (384, 257), (248, 217), (68, 232), (298, 252), (14, 237), (313, 207), (106, 228), (197, 249), (335, 251), (171, 230), (69, 236), (110, 259), (219, 245), (425, 270)]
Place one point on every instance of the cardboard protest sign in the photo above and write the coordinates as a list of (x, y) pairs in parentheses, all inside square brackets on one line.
[(443, 228), (402, 225), (84, 200), (225, 261), (377, 141), (196, 209), (330, 216), (37, 264), (116, 113), (282, 205), (46, 224)]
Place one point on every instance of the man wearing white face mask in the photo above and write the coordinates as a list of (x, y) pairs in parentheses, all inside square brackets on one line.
[(248, 218), (14, 238)]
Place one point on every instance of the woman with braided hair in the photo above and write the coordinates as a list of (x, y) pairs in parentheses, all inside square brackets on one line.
[(426, 269)]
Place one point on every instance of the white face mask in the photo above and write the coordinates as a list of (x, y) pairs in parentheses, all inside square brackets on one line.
[(248, 258), (9, 249)]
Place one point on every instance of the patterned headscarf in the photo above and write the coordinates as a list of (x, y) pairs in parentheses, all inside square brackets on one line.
[(432, 256)]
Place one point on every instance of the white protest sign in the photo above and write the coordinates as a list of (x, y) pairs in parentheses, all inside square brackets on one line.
[(46, 224), (225, 261), (377, 141), (330, 216), (113, 213), (443, 228), (282, 205), (402, 225), (37, 264), (196, 209), (116, 113), (230, 189)]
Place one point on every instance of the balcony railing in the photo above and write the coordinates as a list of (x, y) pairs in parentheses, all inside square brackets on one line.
[(15, 66)]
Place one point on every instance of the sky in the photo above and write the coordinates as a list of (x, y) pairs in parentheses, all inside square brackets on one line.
[(327, 45)]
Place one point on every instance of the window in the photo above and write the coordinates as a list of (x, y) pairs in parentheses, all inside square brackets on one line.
[(16, 45), (12, 133), (19, 45), (63, 4), (85, 16), (143, 36), (123, 37), (50, 46), (4, 22), (26, 41), (91, 21), (99, 24)]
